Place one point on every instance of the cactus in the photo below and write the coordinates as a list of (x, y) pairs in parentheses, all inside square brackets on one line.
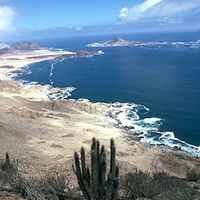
[(94, 183)]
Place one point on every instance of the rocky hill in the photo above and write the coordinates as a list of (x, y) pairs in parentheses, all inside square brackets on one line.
[(115, 42), (25, 46)]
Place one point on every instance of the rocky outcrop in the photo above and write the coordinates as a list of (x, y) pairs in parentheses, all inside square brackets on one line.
[(88, 53)]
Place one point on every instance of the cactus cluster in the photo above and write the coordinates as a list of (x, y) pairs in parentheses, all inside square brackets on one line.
[(94, 183)]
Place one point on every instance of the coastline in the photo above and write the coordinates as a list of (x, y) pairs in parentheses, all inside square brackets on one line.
[(39, 131), (12, 62)]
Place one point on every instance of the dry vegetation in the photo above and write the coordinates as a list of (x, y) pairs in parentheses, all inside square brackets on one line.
[(134, 185)]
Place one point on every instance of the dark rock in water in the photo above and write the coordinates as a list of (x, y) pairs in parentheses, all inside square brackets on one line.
[(177, 148), (25, 46), (83, 53), (88, 53)]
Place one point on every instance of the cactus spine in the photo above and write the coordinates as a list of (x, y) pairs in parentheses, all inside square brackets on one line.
[(94, 183)]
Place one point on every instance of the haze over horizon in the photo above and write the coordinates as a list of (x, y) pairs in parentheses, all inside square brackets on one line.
[(21, 19)]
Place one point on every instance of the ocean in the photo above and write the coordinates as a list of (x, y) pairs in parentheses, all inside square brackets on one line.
[(157, 87)]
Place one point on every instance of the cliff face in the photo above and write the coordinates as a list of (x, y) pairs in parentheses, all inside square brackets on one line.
[(25, 46)]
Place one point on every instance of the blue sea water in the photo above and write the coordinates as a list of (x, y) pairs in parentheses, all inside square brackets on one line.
[(163, 81)]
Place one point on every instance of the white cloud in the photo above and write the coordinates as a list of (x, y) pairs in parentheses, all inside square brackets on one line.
[(123, 13), (160, 9), (7, 15), (137, 11), (74, 28)]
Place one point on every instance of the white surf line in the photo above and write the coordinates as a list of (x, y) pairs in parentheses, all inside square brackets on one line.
[(127, 116), (51, 70)]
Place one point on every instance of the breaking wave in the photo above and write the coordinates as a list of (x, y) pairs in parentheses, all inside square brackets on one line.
[(62, 94), (133, 117), (49, 92), (56, 49)]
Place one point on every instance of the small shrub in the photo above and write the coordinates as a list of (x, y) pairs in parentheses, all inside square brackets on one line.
[(165, 181), (175, 194), (193, 176), (51, 187), (28, 189), (54, 184), (137, 184), (144, 185)]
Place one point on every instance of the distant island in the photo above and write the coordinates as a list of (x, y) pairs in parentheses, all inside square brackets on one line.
[(119, 42), (116, 42)]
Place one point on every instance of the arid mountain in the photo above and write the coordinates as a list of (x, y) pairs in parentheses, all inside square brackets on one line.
[(25, 46)]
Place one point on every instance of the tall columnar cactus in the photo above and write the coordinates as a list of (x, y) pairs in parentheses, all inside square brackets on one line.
[(93, 182)]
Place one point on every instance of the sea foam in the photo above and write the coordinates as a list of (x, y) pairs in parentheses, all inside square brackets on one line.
[(133, 117), (54, 62), (62, 94)]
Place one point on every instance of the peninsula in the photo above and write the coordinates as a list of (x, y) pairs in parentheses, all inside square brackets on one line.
[(13, 58)]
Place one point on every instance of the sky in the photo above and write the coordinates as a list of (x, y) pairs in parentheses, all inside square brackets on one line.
[(47, 18)]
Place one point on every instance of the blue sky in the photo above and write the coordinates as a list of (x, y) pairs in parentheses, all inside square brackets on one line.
[(51, 13), (79, 17)]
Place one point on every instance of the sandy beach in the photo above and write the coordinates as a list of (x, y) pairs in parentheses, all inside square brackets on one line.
[(44, 134), (12, 62)]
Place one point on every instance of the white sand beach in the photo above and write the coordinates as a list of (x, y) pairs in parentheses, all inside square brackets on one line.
[(11, 62)]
